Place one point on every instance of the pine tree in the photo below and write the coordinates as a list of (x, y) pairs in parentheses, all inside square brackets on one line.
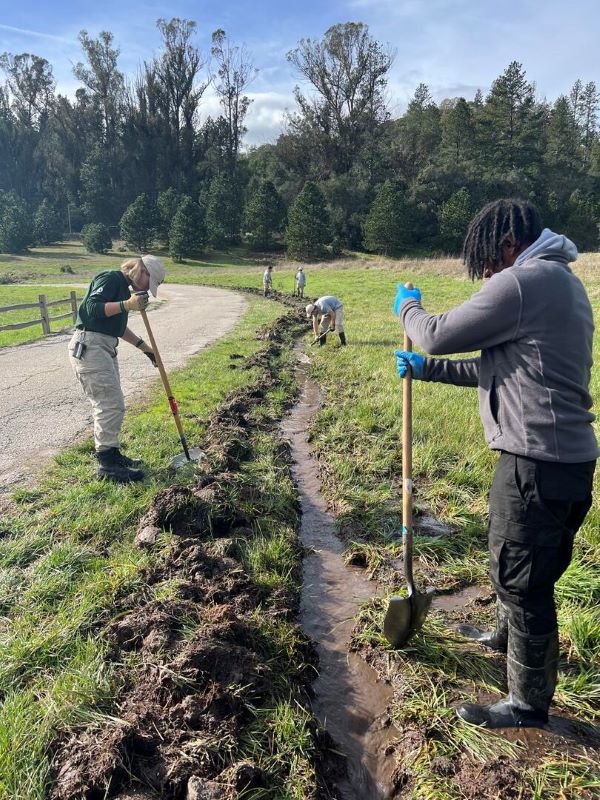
[(512, 123), (167, 204), (458, 132), (419, 133), (308, 231), (186, 234), (453, 217), (562, 147), (138, 224), (264, 216), (223, 211), (96, 238), (389, 226), (16, 227), (96, 194), (581, 223), (47, 225)]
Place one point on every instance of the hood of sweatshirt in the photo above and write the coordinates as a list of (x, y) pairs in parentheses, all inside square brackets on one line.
[(549, 245)]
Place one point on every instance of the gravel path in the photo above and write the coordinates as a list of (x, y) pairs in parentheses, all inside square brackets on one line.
[(42, 407)]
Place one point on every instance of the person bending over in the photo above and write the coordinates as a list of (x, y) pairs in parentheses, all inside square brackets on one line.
[(327, 314), (101, 322)]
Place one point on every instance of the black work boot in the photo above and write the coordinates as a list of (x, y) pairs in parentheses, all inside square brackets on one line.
[(532, 665), (125, 461), (495, 640), (111, 468), (343, 338), (322, 339)]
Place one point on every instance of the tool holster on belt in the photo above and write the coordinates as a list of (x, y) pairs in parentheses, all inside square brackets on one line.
[(80, 346)]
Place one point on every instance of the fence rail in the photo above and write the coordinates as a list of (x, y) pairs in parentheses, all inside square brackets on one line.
[(44, 319)]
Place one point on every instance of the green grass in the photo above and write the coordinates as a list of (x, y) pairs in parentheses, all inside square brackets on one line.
[(12, 295), (69, 556), (357, 437)]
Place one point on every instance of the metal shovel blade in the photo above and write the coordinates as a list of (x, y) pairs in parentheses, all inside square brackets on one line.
[(181, 460), (405, 616)]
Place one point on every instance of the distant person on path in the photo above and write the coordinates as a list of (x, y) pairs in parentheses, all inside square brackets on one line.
[(532, 322), (267, 280), (327, 314), (300, 282), (101, 322)]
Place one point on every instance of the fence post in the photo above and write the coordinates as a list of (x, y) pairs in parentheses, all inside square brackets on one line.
[(74, 306), (44, 315)]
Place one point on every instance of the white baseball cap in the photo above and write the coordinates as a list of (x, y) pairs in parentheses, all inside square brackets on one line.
[(156, 270), (309, 309)]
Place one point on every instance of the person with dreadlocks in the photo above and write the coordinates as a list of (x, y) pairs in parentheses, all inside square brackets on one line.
[(532, 322)]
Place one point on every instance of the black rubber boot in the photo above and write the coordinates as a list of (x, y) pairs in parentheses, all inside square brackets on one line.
[(343, 338), (111, 468), (495, 640), (322, 339), (532, 665)]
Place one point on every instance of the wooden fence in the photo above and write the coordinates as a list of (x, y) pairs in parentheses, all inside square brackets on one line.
[(44, 319)]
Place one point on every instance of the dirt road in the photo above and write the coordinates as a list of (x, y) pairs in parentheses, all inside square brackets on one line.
[(42, 407)]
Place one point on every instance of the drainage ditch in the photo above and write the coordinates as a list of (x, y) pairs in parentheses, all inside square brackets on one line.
[(349, 701)]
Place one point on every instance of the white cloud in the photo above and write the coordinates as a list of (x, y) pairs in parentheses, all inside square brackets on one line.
[(266, 116), (36, 34)]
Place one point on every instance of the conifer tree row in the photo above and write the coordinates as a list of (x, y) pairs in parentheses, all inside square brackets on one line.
[(71, 161)]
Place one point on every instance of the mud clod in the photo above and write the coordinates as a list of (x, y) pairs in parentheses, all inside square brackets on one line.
[(147, 536), (199, 789)]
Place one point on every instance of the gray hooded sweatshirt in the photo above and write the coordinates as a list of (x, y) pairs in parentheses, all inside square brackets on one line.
[(534, 326)]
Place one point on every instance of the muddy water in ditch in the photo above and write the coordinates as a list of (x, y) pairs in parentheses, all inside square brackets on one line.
[(349, 700)]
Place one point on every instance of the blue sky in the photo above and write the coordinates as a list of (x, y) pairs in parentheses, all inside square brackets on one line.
[(455, 46)]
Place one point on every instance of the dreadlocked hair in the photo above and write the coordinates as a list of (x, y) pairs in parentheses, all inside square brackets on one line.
[(497, 222)]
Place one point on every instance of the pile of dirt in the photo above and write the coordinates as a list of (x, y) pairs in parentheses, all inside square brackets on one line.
[(202, 667)]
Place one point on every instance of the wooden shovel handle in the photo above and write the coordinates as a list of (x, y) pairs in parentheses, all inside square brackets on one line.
[(407, 485), (166, 384)]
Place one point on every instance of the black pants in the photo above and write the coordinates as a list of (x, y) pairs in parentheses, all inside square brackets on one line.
[(536, 508)]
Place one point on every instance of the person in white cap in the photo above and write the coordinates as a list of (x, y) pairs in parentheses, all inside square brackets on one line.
[(327, 314), (101, 322)]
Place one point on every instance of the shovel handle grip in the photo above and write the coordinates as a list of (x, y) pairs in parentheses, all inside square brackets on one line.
[(407, 484)]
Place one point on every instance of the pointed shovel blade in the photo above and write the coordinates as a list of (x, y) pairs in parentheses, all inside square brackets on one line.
[(181, 460)]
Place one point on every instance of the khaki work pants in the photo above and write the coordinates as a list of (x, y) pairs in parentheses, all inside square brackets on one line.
[(98, 374), (339, 321)]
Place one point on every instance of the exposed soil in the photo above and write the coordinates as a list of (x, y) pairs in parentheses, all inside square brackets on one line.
[(199, 668)]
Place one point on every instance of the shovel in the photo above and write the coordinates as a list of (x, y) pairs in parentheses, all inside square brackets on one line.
[(405, 615), (188, 455)]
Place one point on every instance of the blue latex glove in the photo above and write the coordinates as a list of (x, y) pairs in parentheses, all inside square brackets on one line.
[(402, 294), (405, 359)]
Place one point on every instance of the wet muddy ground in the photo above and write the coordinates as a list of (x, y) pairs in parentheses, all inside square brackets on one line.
[(349, 700)]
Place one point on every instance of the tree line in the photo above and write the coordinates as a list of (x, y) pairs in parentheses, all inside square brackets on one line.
[(137, 153)]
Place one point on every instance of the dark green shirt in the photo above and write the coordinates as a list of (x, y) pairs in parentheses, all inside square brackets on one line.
[(107, 287)]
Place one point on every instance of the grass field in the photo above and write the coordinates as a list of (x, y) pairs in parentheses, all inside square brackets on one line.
[(357, 439), (66, 552)]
